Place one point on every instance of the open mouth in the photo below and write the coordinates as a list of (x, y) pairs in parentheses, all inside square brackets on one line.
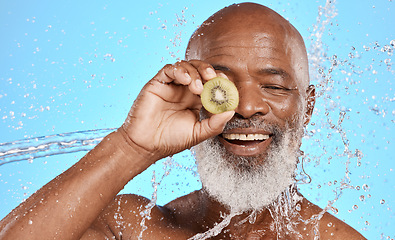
[(245, 139), (246, 144)]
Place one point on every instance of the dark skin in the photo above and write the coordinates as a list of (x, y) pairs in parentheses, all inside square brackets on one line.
[(82, 203)]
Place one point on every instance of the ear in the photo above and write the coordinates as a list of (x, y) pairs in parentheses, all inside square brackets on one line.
[(310, 94)]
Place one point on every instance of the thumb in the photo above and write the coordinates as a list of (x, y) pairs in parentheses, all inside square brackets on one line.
[(212, 126)]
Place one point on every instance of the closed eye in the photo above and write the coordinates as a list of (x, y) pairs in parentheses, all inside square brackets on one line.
[(274, 87), (276, 90)]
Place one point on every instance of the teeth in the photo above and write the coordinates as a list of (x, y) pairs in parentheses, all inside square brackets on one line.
[(245, 137)]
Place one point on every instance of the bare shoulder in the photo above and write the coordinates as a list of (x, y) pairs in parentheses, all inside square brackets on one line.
[(186, 204), (129, 216), (188, 211), (331, 227)]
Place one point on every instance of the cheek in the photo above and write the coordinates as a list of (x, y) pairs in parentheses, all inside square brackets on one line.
[(287, 108)]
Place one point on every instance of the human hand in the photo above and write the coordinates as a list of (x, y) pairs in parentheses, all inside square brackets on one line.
[(164, 118)]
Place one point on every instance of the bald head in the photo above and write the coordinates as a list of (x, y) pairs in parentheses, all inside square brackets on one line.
[(251, 25)]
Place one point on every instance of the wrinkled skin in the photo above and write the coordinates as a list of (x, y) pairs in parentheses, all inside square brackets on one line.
[(249, 44)]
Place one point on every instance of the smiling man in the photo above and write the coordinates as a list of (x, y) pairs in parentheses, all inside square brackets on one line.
[(246, 158)]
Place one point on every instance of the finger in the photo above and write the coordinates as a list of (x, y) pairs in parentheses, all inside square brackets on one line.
[(221, 74), (181, 73), (162, 77), (196, 85), (205, 70), (212, 126), (173, 73)]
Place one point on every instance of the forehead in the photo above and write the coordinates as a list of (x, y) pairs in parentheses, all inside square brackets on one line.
[(251, 44), (269, 31), (245, 49)]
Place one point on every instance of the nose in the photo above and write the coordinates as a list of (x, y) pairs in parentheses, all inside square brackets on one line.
[(251, 101)]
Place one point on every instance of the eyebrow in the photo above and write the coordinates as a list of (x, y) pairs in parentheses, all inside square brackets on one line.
[(276, 71), (263, 71)]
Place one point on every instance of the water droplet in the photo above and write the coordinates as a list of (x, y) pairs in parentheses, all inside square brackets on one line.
[(298, 207), (335, 210), (252, 217), (365, 187), (30, 222), (382, 201), (355, 207), (362, 197), (330, 224)]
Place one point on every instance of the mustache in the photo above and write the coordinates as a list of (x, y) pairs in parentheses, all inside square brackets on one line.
[(259, 121), (256, 121)]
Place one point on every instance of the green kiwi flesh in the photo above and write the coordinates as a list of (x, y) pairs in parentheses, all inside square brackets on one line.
[(219, 95)]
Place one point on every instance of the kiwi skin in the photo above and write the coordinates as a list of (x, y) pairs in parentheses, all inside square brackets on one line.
[(219, 95)]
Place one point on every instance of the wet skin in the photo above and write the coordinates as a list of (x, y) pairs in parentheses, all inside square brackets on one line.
[(268, 64), (266, 59), (265, 79), (272, 88)]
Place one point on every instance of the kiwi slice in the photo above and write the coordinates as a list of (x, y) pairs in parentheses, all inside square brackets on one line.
[(219, 95)]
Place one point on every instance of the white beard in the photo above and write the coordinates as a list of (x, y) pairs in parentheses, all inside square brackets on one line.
[(248, 186)]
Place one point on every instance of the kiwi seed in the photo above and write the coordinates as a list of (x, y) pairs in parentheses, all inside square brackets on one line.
[(219, 95)]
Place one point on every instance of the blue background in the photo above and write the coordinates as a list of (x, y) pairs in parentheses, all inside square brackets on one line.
[(77, 66)]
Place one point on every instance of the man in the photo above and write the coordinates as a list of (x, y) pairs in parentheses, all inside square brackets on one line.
[(246, 158)]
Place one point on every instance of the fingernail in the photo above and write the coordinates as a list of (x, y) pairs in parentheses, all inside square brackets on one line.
[(199, 84), (211, 73), (188, 77), (223, 75)]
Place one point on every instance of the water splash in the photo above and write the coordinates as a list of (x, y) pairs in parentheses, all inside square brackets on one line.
[(284, 211), (217, 229), (316, 52), (346, 76), (146, 213), (325, 67), (32, 148)]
